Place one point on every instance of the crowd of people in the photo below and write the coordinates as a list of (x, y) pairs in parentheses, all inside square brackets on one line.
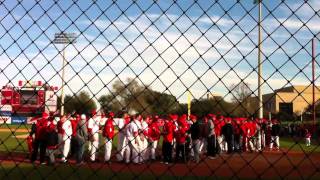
[(141, 139)]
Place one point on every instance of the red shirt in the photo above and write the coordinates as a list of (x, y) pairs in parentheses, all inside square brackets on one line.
[(59, 128), (108, 130), (168, 130), (181, 133), (217, 127), (236, 129), (41, 128), (154, 131), (253, 128), (244, 129), (74, 123), (308, 135)]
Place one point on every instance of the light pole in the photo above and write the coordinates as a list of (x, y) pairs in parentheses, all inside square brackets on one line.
[(65, 39), (313, 85), (259, 62)]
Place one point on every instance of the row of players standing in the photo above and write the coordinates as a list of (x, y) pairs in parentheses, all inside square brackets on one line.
[(138, 137)]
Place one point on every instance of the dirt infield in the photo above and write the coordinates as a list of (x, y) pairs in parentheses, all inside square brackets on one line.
[(19, 130), (268, 165)]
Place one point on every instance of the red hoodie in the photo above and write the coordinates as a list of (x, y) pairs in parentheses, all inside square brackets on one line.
[(154, 131), (168, 129), (41, 128), (181, 133), (74, 123), (108, 130)]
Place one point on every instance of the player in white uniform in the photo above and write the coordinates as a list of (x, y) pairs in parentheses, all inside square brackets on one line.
[(122, 124), (93, 130), (143, 142), (67, 127), (132, 131)]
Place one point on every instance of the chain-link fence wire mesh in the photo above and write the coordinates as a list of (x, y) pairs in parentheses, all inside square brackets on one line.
[(156, 59)]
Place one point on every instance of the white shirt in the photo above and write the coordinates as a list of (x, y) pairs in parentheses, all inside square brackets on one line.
[(119, 122), (67, 127), (144, 126), (94, 123), (138, 124), (103, 121), (131, 130)]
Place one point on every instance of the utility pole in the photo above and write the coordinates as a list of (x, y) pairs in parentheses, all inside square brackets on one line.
[(65, 39)]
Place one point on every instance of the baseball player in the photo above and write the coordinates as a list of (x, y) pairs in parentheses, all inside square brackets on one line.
[(168, 136), (108, 133), (39, 141), (143, 142), (154, 136), (275, 132), (132, 132), (181, 135), (122, 123), (93, 131), (66, 137)]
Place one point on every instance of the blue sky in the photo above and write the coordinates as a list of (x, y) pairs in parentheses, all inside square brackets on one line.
[(217, 40)]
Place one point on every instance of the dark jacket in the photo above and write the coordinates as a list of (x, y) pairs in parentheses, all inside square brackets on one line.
[(275, 130), (33, 129), (195, 131), (51, 139), (204, 130), (82, 131), (227, 131)]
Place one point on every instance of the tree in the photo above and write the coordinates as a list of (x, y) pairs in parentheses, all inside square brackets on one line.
[(136, 98), (129, 94), (242, 100), (217, 105), (161, 103), (110, 103), (80, 103)]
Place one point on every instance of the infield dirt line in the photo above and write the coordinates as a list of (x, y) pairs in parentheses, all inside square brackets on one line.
[(14, 130)]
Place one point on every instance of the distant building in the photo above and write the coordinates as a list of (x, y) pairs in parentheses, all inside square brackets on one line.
[(292, 99)]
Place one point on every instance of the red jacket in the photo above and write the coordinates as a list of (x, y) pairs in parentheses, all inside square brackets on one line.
[(308, 135), (59, 128), (181, 133), (236, 129), (168, 131), (154, 131), (108, 130), (41, 128), (74, 123), (253, 128), (244, 129), (217, 127)]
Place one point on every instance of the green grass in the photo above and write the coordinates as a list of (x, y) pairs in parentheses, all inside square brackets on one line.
[(9, 143), (15, 126), (299, 145)]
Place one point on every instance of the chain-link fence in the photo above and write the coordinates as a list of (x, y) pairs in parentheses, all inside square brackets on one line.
[(145, 89)]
